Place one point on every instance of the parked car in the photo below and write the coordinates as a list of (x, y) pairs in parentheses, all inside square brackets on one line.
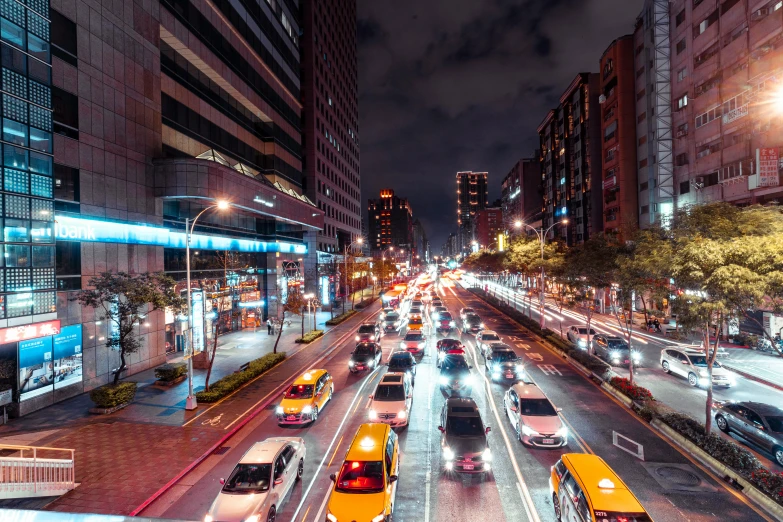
[(414, 342), (366, 356), (761, 424), (615, 351), (368, 332), (535, 420), (484, 339), (472, 324), (455, 377), (464, 437), (692, 364), (391, 403), (502, 362), (259, 483), (403, 362), (580, 336)]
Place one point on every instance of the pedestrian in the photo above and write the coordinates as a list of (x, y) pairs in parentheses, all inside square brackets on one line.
[(268, 326), (657, 325)]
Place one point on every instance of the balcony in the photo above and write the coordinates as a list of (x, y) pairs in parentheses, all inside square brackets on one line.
[(765, 29)]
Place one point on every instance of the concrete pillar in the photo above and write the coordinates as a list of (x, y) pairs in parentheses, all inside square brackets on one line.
[(269, 283), (310, 268)]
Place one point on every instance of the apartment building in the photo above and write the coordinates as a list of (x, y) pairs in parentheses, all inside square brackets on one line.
[(472, 196), (521, 193)]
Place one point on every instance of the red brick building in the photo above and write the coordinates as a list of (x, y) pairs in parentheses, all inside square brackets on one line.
[(489, 224), (618, 128)]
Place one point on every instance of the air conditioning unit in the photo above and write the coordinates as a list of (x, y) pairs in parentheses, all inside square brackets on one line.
[(602, 98), (758, 15)]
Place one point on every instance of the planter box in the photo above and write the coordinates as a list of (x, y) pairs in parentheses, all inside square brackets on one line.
[(107, 411), (719, 468), (172, 383)]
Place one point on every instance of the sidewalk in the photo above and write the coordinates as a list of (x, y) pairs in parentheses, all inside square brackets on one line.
[(124, 457)]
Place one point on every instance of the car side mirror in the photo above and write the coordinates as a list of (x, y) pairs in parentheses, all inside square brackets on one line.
[(441, 429), (514, 408), (487, 429), (392, 479), (333, 477), (222, 481), (278, 481), (370, 396), (558, 410)]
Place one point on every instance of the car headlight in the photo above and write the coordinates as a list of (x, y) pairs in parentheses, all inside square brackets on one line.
[(487, 455), (307, 410), (252, 518), (379, 518), (443, 380), (373, 414), (520, 368), (615, 355), (562, 432), (452, 323), (357, 337), (279, 410), (582, 342), (331, 518), (637, 357), (703, 373), (448, 454), (481, 325), (351, 363), (207, 518), (526, 430), (402, 344), (371, 364), (468, 379), (402, 414)]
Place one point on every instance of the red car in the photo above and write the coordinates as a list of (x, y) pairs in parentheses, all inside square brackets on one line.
[(449, 346)]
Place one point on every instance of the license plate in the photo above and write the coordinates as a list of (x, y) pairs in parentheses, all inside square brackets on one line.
[(509, 376), (627, 361), (548, 441), (360, 367), (291, 417), (467, 467)]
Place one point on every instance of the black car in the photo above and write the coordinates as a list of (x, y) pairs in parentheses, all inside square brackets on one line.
[(614, 350), (472, 323), (444, 322), (502, 363), (368, 332), (403, 362), (464, 438), (390, 322), (366, 356), (455, 377), (448, 346), (761, 424)]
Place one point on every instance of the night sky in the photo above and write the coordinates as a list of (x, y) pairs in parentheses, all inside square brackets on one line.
[(449, 85)]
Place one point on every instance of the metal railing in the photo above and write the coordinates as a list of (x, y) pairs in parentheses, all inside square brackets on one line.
[(28, 471)]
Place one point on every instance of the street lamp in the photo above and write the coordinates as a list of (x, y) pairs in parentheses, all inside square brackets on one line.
[(190, 402), (310, 301), (357, 241), (541, 233)]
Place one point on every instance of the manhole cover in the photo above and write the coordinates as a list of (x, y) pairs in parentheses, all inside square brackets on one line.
[(678, 476)]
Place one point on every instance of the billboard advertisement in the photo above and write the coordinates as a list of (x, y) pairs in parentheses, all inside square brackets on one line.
[(36, 368), (67, 347)]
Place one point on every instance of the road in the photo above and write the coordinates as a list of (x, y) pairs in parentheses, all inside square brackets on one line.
[(671, 390), (518, 488)]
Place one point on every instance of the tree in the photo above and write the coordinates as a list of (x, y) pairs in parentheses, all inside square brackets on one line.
[(216, 326), (292, 305), (524, 256), (727, 261), (125, 300)]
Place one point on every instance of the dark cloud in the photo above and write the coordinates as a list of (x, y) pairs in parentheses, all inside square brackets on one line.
[(449, 85)]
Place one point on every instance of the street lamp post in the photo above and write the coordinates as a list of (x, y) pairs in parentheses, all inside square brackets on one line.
[(357, 241), (190, 402), (541, 233), (310, 298)]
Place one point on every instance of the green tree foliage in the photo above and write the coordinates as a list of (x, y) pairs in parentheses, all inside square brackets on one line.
[(124, 300), (484, 261)]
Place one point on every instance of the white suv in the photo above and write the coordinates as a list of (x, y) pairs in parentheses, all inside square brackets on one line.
[(692, 364), (580, 336), (485, 338), (392, 400)]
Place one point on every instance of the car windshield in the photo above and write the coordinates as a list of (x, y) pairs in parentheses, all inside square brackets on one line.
[(466, 311), (464, 426), (699, 360), (413, 337), (504, 356), (453, 364), (490, 337), (473, 319), (364, 349), (617, 344), (248, 478), (390, 392), (360, 477), (449, 343), (400, 362), (445, 316), (775, 424), (300, 391), (536, 407), (392, 316), (583, 331), (367, 328)]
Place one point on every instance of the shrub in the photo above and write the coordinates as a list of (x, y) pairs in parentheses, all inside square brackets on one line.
[(595, 365), (716, 446), (170, 372), (636, 393), (310, 337), (560, 343), (769, 482), (110, 395), (229, 383), (340, 318), (365, 303), (646, 412)]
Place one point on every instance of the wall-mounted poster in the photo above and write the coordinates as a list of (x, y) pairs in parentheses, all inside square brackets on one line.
[(68, 356), (36, 368)]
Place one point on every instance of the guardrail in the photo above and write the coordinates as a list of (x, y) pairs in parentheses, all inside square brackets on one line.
[(29, 471)]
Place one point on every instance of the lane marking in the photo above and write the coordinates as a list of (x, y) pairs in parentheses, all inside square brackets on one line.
[(306, 513), (549, 369), (535, 357), (335, 451)]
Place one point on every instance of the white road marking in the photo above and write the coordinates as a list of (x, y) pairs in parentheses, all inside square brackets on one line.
[(522, 345), (549, 369), (535, 356), (428, 479)]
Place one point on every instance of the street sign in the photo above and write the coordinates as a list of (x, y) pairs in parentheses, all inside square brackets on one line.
[(5, 397)]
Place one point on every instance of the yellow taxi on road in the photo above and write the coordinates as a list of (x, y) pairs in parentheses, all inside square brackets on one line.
[(585, 489), (415, 323), (306, 397), (365, 487)]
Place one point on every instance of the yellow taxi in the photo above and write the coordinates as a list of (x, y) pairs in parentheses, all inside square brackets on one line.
[(585, 489), (365, 487), (306, 397), (415, 323)]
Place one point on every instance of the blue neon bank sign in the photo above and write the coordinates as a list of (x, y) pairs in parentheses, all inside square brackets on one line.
[(69, 228)]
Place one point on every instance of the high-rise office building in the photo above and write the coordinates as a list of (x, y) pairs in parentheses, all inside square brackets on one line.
[(570, 138), (390, 222), (472, 196), (421, 245), (331, 123), (618, 127)]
